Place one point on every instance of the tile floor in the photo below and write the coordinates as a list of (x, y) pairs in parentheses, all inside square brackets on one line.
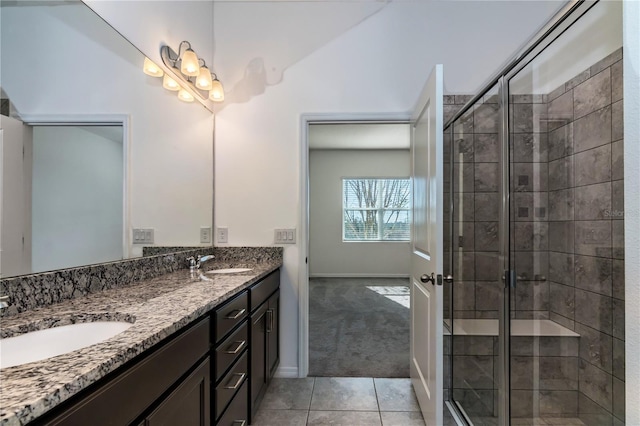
[(339, 401)]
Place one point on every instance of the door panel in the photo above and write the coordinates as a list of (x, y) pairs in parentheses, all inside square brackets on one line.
[(427, 250)]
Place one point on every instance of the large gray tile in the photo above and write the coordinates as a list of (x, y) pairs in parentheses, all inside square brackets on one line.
[(593, 414), (396, 395), (560, 111), (562, 300), (544, 373), (464, 203), (561, 204), (473, 345), (486, 206), (560, 142), (618, 318), (618, 399), (595, 347), (530, 206), (592, 130), (486, 236), (530, 148), (617, 276), (488, 295), (617, 239), (486, 177), (609, 60), (344, 418), (474, 371), (331, 393), (522, 403), (593, 201), (476, 402), (464, 236), (402, 419), (528, 118), (487, 266), (266, 417), (617, 200), (593, 94), (486, 148), (617, 121), (532, 296), (465, 298), (561, 268), (531, 236), (596, 385), (618, 359), (593, 166), (593, 238), (594, 310), (530, 264), (464, 268), (561, 236), (616, 82), (561, 173), (288, 394), (594, 274)]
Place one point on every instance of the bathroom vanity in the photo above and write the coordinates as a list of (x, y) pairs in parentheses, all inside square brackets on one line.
[(202, 350)]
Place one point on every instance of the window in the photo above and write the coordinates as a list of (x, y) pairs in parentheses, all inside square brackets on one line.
[(376, 209)]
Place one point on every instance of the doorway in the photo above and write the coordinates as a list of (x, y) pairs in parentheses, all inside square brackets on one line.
[(330, 258)]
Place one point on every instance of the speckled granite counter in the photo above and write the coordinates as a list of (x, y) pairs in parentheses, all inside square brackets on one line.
[(159, 307)]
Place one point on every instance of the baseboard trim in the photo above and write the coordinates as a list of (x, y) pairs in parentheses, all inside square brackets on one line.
[(358, 276), (286, 372)]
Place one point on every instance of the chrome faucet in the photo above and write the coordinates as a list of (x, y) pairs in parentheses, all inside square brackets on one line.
[(3, 302), (196, 263)]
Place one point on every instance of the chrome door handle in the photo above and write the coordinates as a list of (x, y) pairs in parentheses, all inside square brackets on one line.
[(428, 279), (448, 279)]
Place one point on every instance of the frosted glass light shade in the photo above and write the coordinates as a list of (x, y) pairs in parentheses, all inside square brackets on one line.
[(203, 81), (150, 68), (185, 96), (217, 91), (190, 65), (169, 83)]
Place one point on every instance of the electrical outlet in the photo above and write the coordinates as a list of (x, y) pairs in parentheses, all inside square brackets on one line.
[(205, 234), (223, 235), (142, 235), (285, 236)]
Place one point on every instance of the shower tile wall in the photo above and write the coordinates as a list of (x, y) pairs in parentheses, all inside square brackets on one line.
[(586, 219), (567, 235)]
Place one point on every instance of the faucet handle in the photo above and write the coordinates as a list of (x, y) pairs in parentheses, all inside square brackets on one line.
[(4, 302), (192, 261)]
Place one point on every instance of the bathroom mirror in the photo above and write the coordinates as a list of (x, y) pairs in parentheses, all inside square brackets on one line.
[(73, 89)]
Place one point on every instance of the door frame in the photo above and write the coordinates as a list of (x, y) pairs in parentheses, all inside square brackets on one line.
[(303, 223), (123, 120)]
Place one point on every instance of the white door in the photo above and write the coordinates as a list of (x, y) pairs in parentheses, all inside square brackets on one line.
[(15, 179), (426, 257)]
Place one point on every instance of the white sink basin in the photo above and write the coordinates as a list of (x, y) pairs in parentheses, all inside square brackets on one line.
[(50, 342), (228, 271)]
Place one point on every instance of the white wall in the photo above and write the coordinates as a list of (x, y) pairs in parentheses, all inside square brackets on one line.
[(377, 65), (56, 62), (328, 254), (631, 34), (77, 197)]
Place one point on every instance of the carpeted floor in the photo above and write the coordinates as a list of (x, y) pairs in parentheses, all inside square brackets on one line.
[(359, 327)]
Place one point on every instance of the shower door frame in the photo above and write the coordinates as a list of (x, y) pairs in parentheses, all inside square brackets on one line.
[(561, 21)]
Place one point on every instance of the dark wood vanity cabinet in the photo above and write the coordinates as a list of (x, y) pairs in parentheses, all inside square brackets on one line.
[(264, 299), (215, 372)]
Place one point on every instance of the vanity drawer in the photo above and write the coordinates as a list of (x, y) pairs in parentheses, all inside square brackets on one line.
[(229, 350), (230, 314), (237, 413), (265, 288), (230, 384)]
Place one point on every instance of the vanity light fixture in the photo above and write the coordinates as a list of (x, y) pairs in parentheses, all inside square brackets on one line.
[(191, 73), (169, 83), (185, 96), (150, 68)]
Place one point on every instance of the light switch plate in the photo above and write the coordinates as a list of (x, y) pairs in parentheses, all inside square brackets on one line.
[(142, 235), (205, 234), (285, 236), (222, 234)]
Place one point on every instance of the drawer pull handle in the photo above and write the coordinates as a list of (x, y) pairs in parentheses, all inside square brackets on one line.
[(241, 377), (241, 344), (239, 422), (238, 314)]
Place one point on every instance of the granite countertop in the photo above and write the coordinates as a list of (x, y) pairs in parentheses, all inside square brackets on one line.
[(158, 308)]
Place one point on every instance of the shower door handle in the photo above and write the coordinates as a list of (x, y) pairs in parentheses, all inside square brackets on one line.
[(448, 279)]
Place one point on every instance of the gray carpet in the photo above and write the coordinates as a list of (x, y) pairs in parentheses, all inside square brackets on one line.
[(355, 331)]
